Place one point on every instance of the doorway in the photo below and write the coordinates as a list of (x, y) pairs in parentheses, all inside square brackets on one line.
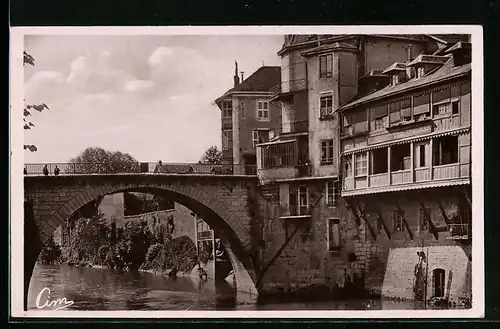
[(438, 280)]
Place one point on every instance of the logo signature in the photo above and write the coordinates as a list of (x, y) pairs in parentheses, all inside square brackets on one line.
[(44, 296)]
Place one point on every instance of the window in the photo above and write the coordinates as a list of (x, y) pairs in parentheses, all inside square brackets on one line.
[(278, 155), (298, 201), (379, 117), (227, 109), (454, 107), (227, 140), (421, 105), (242, 110), (400, 157), (227, 125), (420, 72), (421, 155), (330, 190), (423, 214), (438, 282), (379, 161), (445, 150), (326, 105), (263, 111), (399, 221), (255, 138), (327, 152), (333, 237), (441, 109), (361, 164), (259, 136), (325, 66), (348, 166)]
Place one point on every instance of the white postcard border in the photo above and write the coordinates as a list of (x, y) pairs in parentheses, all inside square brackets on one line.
[(17, 161)]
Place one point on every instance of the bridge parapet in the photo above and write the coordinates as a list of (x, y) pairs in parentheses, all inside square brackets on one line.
[(35, 169)]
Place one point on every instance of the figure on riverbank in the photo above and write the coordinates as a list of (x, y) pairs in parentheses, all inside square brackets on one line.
[(45, 170), (56, 171)]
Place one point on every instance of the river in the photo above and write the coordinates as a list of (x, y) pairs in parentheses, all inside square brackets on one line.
[(102, 289)]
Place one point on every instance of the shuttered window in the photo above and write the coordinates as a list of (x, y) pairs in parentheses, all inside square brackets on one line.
[(394, 112), (421, 104), (441, 95), (406, 108), (379, 111)]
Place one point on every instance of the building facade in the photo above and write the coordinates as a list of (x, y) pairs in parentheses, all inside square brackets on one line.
[(406, 159), (247, 116), (314, 234)]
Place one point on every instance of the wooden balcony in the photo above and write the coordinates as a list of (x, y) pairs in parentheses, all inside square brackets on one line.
[(443, 175)]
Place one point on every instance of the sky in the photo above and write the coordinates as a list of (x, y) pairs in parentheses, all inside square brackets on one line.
[(149, 96)]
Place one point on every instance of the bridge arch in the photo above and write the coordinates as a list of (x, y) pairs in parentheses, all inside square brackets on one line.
[(225, 221)]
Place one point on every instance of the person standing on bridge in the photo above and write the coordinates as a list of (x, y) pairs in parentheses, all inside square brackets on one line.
[(159, 167), (56, 171), (25, 171), (45, 170)]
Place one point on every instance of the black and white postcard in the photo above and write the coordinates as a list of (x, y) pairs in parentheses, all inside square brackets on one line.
[(278, 171)]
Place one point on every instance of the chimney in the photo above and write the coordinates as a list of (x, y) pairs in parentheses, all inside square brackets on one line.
[(236, 78), (242, 76), (409, 69)]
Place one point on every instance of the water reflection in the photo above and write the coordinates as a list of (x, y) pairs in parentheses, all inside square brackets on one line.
[(101, 289)]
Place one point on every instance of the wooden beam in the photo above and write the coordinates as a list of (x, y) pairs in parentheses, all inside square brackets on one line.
[(370, 228), (410, 233), (427, 217), (381, 219), (467, 196), (356, 216), (443, 213)]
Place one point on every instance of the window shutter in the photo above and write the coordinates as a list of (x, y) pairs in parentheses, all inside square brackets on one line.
[(465, 88), (406, 107), (441, 95), (394, 112), (379, 111), (421, 104)]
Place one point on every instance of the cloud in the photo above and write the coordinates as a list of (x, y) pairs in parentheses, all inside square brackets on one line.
[(140, 86), (44, 86)]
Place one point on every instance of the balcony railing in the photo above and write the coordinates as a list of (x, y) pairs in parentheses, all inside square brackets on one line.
[(37, 169), (289, 86), (392, 179), (292, 128), (459, 232)]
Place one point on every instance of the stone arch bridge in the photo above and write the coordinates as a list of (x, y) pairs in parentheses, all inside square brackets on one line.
[(226, 202)]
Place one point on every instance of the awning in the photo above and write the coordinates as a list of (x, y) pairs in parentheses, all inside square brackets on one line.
[(406, 187), (408, 140)]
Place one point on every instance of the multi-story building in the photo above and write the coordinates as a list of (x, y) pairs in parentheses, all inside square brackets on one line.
[(406, 158), (247, 116), (300, 167)]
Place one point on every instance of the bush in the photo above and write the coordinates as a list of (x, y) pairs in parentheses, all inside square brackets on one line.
[(51, 253)]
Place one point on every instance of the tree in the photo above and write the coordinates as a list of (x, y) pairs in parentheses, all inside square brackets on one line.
[(28, 59), (212, 156), (95, 160)]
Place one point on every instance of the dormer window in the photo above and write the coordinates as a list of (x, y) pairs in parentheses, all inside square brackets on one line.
[(420, 72), (395, 79)]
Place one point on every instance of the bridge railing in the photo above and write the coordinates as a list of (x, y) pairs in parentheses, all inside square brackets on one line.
[(37, 169)]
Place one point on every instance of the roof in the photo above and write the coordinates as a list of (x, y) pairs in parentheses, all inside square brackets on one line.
[(460, 45), (395, 67), (262, 80), (374, 73), (449, 38), (447, 71), (310, 40), (336, 46), (429, 59)]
